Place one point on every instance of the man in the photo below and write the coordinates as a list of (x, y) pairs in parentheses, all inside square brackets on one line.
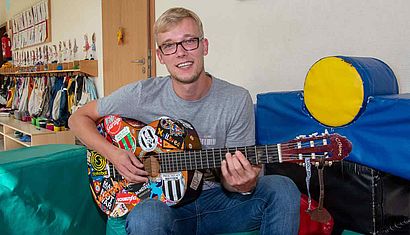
[(222, 114)]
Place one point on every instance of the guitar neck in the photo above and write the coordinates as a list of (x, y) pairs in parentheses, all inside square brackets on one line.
[(212, 158)]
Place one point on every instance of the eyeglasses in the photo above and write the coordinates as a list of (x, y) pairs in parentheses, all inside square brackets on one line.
[(188, 45)]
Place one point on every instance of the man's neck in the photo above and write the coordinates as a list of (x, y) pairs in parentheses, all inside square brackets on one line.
[(193, 91)]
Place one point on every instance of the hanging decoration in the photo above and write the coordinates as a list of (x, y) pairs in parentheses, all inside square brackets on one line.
[(32, 26)]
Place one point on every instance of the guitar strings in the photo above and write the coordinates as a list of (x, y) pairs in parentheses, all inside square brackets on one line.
[(175, 161), (264, 149)]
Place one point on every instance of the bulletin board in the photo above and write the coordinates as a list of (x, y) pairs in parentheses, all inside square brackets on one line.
[(32, 26)]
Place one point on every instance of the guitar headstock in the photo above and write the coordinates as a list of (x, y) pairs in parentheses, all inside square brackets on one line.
[(327, 147)]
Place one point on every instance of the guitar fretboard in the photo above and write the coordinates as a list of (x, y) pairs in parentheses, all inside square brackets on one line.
[(295, 152), (212, 158)]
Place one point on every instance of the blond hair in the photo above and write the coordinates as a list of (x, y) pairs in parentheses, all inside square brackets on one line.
[(173, 16)]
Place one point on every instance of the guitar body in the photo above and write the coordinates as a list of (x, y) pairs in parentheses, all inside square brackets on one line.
[(171, 153), (113, 194)]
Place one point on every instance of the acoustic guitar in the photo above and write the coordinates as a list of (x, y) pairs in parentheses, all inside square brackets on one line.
[(171, 153)]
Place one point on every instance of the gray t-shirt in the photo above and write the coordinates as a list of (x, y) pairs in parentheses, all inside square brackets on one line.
[(222, 118)]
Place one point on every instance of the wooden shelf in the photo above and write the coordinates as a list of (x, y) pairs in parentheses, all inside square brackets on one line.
[(89, 67), (39, 136)]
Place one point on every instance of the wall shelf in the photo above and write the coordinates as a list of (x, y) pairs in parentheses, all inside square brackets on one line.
[(88, 67)]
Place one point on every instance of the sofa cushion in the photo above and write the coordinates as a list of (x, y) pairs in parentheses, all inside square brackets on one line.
[(44, 190)]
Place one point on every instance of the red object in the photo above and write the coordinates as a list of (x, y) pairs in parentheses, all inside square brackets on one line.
[(308, 226), (6, 46), (50, 126), (113, 124)]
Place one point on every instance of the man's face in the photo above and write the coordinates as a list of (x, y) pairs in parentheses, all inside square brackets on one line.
[(184, 66)]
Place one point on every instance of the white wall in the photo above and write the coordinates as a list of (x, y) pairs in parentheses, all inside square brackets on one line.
[(71, 19), (269, 45), (3, 16), (266, 45)]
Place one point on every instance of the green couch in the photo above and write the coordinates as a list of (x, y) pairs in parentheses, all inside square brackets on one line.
[(44, 190)]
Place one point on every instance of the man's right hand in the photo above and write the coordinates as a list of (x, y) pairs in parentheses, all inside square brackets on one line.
[(82, 123), (129, 166)]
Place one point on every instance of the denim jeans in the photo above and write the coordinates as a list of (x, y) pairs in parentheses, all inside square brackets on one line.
[(273, 208)]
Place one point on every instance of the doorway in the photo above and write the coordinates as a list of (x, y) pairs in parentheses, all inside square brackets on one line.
[(131, 58)]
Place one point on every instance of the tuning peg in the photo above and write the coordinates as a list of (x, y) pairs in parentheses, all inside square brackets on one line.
[(300, 136), (314, 134)]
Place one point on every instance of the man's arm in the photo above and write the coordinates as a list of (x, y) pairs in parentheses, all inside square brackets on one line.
[(82, 123)]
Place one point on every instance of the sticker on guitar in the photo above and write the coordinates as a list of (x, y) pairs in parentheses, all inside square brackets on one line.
[(171, 152)]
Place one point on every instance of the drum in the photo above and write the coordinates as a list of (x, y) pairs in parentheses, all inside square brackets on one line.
[(337, 88)]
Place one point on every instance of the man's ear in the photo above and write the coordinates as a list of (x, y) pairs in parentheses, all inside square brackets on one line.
[(206, 44), (159, 56)]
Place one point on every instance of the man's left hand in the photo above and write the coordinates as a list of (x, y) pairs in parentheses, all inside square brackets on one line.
[(238, 175)]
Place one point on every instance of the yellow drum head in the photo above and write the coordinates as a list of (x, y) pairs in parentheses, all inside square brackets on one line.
[(333, 92)]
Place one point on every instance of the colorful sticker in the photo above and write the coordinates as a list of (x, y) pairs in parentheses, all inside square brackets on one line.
[(119, 210), (106, 197), (156, 189), (172, 127), (125, 140), (100, 129), (97, 186), (127, 198), (147, 139), (171, 134), (144, 192), (112, 124), (173, 187), (98, 164), (196, 180)]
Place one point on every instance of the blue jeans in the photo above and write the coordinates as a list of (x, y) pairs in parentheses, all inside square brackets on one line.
[(273, 208)]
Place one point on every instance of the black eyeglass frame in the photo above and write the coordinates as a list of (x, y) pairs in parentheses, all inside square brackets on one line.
[(198, 39)]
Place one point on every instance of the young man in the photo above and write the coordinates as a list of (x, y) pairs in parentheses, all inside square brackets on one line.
[(222, 114)]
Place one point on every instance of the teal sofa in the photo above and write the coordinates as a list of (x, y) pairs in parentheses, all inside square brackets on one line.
[(45, 190)]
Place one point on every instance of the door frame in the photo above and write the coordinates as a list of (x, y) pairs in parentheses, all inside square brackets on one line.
[(151, 38)]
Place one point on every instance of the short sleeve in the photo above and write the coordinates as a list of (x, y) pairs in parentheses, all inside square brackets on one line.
[(120, 100), (241, 131)]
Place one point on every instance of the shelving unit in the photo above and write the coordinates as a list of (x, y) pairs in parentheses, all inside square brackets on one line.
[(39, 136), (89, 67)]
